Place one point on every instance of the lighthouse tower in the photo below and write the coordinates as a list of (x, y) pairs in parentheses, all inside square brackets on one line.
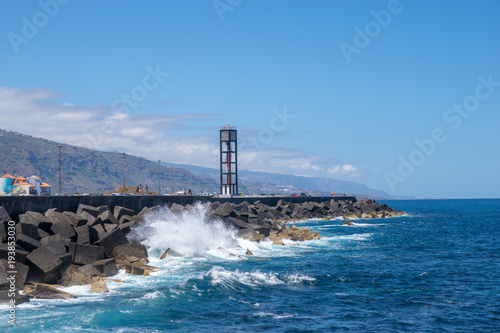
[(228, 161)]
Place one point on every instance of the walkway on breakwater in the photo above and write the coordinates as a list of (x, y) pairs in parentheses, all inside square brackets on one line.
[(16, 205)]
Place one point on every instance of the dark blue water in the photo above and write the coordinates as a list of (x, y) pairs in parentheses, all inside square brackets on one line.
[(435, 270)]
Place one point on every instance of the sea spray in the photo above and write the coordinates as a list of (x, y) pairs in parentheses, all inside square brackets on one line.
[(190, 233)]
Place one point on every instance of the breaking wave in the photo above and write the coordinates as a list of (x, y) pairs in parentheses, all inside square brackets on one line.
[(191, 233)]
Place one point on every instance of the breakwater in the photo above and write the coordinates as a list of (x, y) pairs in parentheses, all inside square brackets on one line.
[(16, 205)]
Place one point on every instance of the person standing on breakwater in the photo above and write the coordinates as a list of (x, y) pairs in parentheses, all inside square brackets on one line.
[(147, 189), (137, 190), (189, 192), (140, 189), (184, 191)]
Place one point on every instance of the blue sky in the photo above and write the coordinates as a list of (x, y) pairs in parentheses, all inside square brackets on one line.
[(402, 96)]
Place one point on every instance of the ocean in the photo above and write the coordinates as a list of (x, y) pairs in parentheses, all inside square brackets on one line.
[(436, 269)]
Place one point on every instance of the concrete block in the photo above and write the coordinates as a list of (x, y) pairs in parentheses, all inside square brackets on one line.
[(27, 243), (111, 240), (105, 267), (87, 254), (44, 266)]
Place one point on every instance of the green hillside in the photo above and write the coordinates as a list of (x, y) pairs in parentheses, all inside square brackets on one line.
[(89, 171)]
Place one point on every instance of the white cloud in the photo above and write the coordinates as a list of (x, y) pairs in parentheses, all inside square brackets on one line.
[(345, 170), (155, 137)]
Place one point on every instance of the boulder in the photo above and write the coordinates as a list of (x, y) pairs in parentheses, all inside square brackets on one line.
[(132, 252), (107, 217), (76, 220), (88, 217), (109, 227), (44, 291), (43, 266), (105, 267), (20, 269), (4, 215), (239, 224), (6, 297), (249, 253), (99, 286), (176, 208), (20, 255), (225, 210), (170, 253), (93, 211), (73, 276), (126, 227), (27, 243), (249, 234), (27, 229), (119, 211), (63, 228), (86, 234), (87, 254), (111, 240), (55, 244)]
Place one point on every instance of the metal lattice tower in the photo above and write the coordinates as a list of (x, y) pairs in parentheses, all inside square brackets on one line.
[(228, 161)]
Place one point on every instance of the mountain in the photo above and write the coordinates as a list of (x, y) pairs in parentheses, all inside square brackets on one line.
[(265, 182), (90, 171)]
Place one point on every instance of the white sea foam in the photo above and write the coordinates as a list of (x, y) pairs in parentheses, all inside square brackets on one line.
[(255, 278), (274, 315), (191, 233)]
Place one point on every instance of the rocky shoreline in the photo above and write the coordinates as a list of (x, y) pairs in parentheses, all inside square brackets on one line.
[(41, 252)]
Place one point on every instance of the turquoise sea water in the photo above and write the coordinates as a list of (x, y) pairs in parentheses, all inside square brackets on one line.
[(435, 270)]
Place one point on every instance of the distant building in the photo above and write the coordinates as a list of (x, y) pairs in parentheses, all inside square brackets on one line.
[(20, 185)]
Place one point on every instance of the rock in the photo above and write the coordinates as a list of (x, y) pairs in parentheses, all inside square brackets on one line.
[(75, 220), (176, 208), (111, 240), (6, 297), (110, 227), (99, 286), (249, 253), (99, 228), (64, 229), (27, 243), (239, 224), (4, 225), (20, 275), (127, 226), (249, 234), (126, 219), (105, 267), (225, 210), (132, 252), (88, 254), (4, 215), (43, 266), (107, 217), (88, 217), (73, 276), (45, 291), (27, 229), (20, 255), (54, 244), (170, 253), (40, 220), (349, 223), (93, 211), (86, 234), (119, 211)]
